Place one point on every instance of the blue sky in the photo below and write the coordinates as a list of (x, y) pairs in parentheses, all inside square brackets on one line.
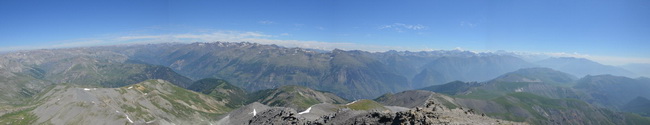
[(600, 30)]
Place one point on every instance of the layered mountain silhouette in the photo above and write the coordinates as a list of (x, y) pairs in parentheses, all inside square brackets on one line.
[(250, 83)]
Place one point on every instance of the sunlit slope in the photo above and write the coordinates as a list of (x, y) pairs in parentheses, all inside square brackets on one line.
[(152, 101)]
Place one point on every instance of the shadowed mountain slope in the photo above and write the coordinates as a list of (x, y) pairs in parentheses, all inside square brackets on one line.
[(221, 90), (613, 91), (296, 97)]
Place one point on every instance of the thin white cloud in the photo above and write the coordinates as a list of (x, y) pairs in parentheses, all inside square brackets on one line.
[(66, 44), (137, 37), (326, 45), (220, 35), (611, 60), (468, 24), (400, 27), (265, 22), (228, 36)]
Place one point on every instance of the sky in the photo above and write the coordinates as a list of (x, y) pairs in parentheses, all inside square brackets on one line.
[(612, 32)]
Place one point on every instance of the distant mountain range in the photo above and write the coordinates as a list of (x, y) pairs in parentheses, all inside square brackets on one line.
[(547, 96), (613, 91), (642, 69), (581, 67), (255, 66), (249, 83)]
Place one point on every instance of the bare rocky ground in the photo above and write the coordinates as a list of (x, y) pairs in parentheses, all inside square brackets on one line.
[(427, 112), (432, 113), (159, 102), (149, 102)]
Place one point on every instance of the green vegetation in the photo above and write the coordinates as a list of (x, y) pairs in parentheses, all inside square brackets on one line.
[(221, 90), (365, 104), (481, 94), (545, 75), (639, 105), (22, 117), (452, 88), (446, 103), (304, 102), (14, 90), (138, 111), (181, 100), (539, 108), (507, 116), (634, 119), (121, 90), (111, 74)]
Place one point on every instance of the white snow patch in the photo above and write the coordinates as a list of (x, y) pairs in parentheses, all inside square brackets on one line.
[(149, 122), (254, 112), (352, 102), (519, 90), (86, 89), (130, 87), (306, 111), (127, 118)]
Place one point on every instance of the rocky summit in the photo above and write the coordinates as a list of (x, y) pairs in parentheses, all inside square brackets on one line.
[(430, 113)]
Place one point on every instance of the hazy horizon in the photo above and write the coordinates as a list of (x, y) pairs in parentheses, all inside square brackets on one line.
[(609, 32)]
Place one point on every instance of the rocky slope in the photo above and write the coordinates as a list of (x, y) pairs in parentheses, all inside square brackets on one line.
[(519, 107), (431, 113), (149, 102), (26, 73), (358, 112)]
